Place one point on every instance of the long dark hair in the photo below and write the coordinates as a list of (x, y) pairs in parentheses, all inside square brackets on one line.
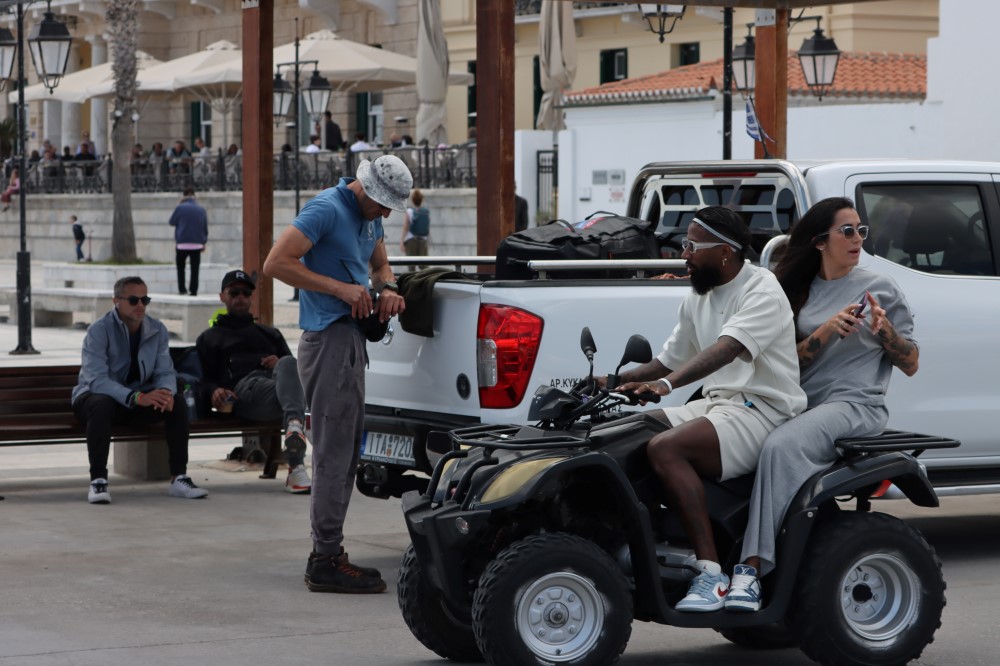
[(800, 260)]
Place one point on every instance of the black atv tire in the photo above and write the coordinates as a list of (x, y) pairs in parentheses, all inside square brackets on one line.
[(870, 592), (552, 599), (768, 637), (427, 617)]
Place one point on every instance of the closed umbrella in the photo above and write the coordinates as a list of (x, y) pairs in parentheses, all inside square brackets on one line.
[(432, 74), (557, 60)]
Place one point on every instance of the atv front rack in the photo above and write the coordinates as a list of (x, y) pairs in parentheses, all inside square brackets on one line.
[(894, 440)]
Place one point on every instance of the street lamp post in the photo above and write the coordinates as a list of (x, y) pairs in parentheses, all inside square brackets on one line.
[(286, 96), (50, 46)]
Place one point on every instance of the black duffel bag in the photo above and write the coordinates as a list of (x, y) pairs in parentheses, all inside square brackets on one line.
[(601, 236)]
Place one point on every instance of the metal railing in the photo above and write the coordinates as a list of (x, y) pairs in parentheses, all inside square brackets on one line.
[(442, 167)]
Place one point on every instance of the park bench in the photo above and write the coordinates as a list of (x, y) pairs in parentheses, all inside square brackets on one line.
[(55, 306), (35, 409)]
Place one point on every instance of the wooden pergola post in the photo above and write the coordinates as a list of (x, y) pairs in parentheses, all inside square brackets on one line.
[(258, 144), (771, 91)]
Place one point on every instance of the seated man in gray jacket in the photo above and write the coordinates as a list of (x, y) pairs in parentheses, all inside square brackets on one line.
[(127, 377)]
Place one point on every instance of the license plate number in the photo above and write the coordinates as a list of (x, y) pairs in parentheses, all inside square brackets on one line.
[(384, 447)]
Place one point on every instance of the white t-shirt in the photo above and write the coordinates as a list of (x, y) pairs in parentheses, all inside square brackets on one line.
[(753, 309), (312, 148)]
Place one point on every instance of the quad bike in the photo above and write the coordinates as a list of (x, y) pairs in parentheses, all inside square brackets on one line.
[(540, 544)]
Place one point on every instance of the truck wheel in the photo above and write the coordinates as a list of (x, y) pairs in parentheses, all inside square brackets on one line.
[(768, 637), (428, 618), (870, 592), (552, 599)]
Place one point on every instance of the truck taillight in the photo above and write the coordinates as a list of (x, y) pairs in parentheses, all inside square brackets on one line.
[(507, 341)]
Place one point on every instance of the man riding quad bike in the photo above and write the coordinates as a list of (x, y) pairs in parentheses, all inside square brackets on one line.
[(540, 544)]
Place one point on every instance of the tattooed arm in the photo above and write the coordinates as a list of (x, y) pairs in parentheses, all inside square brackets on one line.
[(843, 323), (722, 353), (901, 352)]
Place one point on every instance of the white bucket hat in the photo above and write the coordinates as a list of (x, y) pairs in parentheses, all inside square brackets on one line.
[(387, 181)]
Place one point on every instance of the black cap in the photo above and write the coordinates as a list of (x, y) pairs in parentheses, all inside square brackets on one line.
[(237, 276)]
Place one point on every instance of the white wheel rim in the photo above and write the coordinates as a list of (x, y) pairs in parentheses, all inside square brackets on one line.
[(880, 597), (560, 616)]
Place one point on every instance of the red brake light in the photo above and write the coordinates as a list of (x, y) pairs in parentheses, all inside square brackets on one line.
[(507, 346), (882, 489)]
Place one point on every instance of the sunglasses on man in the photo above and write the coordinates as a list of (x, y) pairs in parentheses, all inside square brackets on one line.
[(135, 300)]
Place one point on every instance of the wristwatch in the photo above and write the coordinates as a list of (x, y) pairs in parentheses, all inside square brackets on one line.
[(391, 286)]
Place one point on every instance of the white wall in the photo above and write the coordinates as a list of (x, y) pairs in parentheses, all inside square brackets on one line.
[(527, 143)]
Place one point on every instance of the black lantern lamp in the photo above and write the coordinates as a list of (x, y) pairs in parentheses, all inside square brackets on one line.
[(743, 63), (50, 43), (657, 14), (819, 56), (317, 95), (283, 94), (8, 52)]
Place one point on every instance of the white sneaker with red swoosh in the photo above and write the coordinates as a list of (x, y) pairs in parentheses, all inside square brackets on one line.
[(707, 593)]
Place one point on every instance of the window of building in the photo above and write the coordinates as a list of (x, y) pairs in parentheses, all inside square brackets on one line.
[(471, 103), (614, 65), (201, 123), (688, 54)]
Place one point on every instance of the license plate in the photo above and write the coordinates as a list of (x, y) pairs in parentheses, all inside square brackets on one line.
[(387, 448)]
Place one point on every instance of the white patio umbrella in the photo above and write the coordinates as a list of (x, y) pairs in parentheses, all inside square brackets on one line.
[(355, 67), (432, 74), (162, 77), (77, 87), (221, 85), (557, 61)]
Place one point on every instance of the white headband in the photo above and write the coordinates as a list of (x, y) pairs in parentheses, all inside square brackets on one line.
[(716, 233)]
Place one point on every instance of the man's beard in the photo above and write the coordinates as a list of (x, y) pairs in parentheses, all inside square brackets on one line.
[(704, 278)]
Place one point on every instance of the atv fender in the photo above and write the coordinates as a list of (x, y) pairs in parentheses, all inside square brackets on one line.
[(649, 599)]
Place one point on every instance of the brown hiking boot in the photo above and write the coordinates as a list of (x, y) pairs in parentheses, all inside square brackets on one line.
[(371, 572), (335, 573)]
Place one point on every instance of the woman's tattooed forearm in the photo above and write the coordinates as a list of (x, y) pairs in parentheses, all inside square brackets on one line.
[(901, 352)]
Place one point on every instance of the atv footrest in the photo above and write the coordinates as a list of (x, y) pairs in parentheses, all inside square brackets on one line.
[(895, 440)]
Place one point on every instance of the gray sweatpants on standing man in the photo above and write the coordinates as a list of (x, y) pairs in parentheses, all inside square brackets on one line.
[(332, 370)]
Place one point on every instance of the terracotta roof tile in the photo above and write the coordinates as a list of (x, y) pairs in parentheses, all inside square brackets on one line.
[(859, 75)]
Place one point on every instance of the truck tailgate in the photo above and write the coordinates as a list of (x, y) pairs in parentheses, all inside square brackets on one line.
[(411, 372)]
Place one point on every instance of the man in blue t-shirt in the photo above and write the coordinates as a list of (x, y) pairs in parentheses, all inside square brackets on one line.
[(328, 253)]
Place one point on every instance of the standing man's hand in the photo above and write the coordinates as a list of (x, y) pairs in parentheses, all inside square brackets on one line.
[(389, 304), (357, 297)]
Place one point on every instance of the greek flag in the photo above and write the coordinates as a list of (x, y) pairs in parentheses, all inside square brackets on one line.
[(753, 128)]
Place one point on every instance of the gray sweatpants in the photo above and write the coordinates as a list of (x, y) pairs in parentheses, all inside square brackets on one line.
[(792, 453), (332, 370), (265, 395)]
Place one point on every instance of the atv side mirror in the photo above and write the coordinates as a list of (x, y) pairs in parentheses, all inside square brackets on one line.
[(637, 350), (587, 343)]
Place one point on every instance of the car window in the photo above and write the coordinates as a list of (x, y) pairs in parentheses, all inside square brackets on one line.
[(934, 228)]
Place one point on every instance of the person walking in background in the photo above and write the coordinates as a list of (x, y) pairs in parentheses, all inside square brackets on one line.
[(416, 227), (331, 251), (13, 187), (127, 377), (78, 237), (190, 222), (334, 139), (520, 212)]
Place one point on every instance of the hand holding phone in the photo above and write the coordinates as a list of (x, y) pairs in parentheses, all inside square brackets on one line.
[(858, 309)]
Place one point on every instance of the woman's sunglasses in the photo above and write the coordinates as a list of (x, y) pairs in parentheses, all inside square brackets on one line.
[(135, 300), (848, 232)]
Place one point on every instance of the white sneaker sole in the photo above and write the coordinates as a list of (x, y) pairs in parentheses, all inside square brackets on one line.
[(742, 606), (99, 500), (298, 490), (701, 608)]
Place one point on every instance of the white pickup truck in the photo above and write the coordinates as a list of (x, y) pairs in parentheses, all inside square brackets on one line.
[(935, 229)]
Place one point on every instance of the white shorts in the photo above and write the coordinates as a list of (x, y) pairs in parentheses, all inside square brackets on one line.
[(741, 430)]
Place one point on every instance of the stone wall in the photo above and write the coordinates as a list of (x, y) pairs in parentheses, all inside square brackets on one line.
[(50, 238)]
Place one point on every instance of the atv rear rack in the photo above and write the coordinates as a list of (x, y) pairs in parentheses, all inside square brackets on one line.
[(894, 440), (513, 438)]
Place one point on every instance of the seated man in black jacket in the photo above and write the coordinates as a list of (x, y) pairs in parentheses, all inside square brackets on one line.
[(248, 369)]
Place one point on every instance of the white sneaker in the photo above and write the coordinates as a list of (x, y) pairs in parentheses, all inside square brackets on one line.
[(744, 593), (184, 487), (707, 593), (98, 493), (298, 482)]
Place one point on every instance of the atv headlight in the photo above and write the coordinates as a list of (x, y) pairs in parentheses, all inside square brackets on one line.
[(515, 477)]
